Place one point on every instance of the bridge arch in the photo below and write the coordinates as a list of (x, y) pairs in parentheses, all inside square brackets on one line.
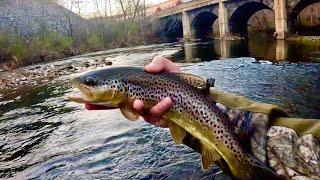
[(202, 23), (173, 30), (295, 9), (239, 18)]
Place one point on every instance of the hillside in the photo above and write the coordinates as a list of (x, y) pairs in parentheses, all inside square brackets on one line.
[(30, 17)]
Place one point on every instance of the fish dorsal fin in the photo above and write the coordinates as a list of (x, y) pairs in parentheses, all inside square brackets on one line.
[(129, 113), (209, 157), (193, 80), (177, 133)]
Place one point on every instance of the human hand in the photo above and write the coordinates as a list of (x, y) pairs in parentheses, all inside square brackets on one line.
[(155, 114)]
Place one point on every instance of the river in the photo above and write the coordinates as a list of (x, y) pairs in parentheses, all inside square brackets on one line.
[(43, 135)]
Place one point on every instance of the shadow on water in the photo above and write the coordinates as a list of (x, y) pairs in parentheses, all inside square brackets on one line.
[(42, 135), (261, 49)]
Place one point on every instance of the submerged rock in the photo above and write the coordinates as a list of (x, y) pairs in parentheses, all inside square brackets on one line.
[(108, 63)]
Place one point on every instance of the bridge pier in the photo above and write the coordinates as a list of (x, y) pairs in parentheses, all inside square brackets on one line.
[(281, 18), (186, 26), (281, 50), (223, 21)]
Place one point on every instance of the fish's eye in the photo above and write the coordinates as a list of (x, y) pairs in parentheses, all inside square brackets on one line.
[(90, 81)]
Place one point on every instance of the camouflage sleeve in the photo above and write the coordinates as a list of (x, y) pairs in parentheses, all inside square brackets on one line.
[(278, 147), (293, 156)]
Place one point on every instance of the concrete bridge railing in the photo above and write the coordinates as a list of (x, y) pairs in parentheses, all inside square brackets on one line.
[(185, 7)]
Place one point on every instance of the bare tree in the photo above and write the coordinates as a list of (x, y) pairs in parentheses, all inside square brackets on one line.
[(67, 15), (129, 11), (99, 20)]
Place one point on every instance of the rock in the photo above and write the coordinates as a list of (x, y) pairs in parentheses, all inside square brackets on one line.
[(24, 79), (86, 64), (70, 67), (108, 63)]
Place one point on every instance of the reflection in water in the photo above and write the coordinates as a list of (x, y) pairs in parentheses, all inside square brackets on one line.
[(281, 50), (200, 52), (261, 49)]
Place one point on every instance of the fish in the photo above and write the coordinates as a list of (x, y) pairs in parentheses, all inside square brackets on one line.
[(193, 116)]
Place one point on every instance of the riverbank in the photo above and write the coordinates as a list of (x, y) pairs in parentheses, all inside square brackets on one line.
[(16, 51), (28, 77), (37, 75), (313, 40)]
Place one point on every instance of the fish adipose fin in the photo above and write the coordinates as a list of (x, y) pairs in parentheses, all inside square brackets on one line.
[(198, 82), (129, 113), (209, 157), (192, 80), (177, 133)]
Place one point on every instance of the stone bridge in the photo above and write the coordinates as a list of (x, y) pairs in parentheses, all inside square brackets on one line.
[(194, 19)]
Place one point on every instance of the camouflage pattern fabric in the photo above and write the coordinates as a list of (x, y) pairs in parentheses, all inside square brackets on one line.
[(293, 156), (278, 147)]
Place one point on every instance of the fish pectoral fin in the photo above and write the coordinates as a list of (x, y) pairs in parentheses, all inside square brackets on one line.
[(177, 133), (209, 157), (129, 113)]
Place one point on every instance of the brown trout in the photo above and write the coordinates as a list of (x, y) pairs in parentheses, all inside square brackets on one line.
[(193, 113)]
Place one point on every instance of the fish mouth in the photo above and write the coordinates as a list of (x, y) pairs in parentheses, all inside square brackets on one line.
[(80, 97), (84, 95)]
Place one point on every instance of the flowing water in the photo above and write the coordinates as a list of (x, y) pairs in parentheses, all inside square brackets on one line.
[(42, 135)]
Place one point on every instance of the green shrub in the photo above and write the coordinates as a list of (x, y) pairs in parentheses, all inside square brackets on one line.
[(12, 47), (94, 41), (134, 28), (4, 44), (65, 42), (19, 50)]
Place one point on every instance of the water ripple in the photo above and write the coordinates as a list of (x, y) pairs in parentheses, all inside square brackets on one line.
[(44, 136)]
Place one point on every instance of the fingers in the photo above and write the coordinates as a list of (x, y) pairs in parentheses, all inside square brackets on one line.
[(162, 107), (155, 114), (161, 64), (138, 105)]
